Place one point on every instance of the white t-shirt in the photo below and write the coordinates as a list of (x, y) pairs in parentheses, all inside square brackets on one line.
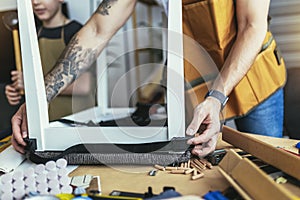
[(164, 5)]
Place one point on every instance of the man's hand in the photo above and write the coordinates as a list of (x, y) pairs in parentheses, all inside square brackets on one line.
[(19, 129), (12, 94), (17, 79), (206, 113), (12, 91)]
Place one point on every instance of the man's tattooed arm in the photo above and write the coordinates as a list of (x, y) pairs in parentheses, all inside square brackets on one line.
[(105, 6), (87, 44), (74, 62)]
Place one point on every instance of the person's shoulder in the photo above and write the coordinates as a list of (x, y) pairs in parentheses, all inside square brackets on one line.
[(74, 25), (70, 29)]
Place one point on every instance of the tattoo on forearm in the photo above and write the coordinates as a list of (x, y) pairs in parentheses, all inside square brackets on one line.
[(74, 61), (105, 6)]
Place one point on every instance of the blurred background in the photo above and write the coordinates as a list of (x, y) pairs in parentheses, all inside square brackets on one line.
[(285, 25)]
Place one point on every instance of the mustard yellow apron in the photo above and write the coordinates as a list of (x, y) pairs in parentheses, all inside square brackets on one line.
[(62, 105), (212, 24)]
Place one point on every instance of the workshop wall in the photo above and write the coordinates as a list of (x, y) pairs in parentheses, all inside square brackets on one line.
[(285, 26)]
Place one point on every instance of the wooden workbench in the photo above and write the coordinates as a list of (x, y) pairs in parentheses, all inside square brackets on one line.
[(136, 178)]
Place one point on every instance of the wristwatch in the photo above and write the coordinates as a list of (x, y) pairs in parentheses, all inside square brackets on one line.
[(218, 95)]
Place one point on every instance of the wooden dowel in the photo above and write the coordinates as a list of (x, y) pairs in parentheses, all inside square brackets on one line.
[(197, 176)]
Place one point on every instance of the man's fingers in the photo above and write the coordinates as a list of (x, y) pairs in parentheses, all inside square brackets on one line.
[(9, 89), (204, 137), (14, 98), (17, 134), (193, 127), (17, 127), (201, 152), (205, 148), (18, 85), (17, 146), (14, 72), (14, 78), (198, 140), (13, 102), (196, 122), (24, 124)]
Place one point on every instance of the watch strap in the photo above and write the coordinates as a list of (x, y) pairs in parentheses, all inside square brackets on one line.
[(218, 95)]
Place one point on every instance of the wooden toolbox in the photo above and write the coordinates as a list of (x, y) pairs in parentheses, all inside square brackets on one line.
[(247, 172)]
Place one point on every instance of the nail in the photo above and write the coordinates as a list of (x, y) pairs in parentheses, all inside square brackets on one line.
[(24, 134), (190, 131), (190, 141)]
